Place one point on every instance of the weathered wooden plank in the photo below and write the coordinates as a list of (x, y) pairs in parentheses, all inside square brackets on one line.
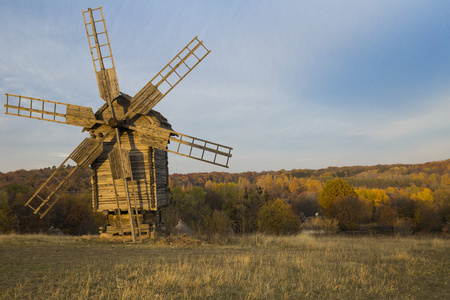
[(108, 84)]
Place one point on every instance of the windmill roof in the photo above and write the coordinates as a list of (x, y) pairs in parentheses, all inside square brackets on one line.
[(153, 116)]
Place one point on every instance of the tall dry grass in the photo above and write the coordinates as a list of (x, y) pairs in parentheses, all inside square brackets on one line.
[(251, 267)]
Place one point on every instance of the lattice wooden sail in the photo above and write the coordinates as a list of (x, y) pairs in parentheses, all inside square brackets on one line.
[(51, 111), (101, 53), (185, 145), (47, 194), (163, 82), (107, 82)]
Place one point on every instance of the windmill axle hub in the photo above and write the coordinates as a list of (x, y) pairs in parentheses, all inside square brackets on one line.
[(114, 123)]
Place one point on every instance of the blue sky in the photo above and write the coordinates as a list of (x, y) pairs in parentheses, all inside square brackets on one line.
[(288, 84)]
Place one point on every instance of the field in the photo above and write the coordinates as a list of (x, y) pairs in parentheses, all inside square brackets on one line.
[(250, 267)]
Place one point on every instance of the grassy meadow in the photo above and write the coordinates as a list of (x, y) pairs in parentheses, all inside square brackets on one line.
[(242, 267)]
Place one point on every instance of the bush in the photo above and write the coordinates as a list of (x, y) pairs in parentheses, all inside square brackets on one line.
[(403, 226), (319, 224), (218, 223), (277, 217)]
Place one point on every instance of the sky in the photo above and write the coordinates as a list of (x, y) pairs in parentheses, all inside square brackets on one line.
[(288, 84)]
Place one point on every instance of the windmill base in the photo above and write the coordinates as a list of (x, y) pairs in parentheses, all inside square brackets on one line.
[(118, 224)]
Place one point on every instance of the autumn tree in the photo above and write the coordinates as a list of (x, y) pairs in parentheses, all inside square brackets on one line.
[(426, 218), (425, 196), (349, 210), (442, 204), (386, 216), (333, 190), (306, 203), (277, 217), (374, 199)]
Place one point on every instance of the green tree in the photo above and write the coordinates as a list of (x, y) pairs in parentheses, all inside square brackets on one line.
[(188, 205), (277, 217), (80, 221), (333, 190), (8, 221), (14, 189)]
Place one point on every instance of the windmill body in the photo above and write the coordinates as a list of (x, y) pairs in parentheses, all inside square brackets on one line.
[(128, 143), (148, 165)]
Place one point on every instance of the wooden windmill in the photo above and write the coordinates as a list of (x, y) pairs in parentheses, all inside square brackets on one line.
[(128, 143)]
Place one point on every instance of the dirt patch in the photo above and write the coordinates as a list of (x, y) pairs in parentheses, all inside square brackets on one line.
[(183, 240)]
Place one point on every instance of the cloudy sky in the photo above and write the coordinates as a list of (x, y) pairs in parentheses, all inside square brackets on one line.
[(288, 84)]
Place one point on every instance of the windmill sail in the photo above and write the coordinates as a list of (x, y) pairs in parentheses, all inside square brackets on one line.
[(51, 111), (184, 145), (49, 193), (101, 53), (106, 73), (199, 149)]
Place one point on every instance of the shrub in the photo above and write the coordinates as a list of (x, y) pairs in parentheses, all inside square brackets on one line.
[(403, 226), (319, 224), (218, 223), (277, 217)]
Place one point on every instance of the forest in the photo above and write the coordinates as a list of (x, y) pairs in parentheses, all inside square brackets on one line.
[(388, 199)]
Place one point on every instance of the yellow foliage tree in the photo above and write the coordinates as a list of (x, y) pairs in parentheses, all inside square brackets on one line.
[(314, 185), (266, 182), (425, 195), (445, 179), (333, 190), (295, 186), (373, 197)]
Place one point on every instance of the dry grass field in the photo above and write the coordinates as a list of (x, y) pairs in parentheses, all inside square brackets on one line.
[(248, 267)]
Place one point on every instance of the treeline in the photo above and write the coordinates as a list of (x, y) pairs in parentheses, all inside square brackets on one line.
[(73, 213), (402, 198)]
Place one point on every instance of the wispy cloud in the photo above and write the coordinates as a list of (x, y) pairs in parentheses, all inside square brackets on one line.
[(300, 84)]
